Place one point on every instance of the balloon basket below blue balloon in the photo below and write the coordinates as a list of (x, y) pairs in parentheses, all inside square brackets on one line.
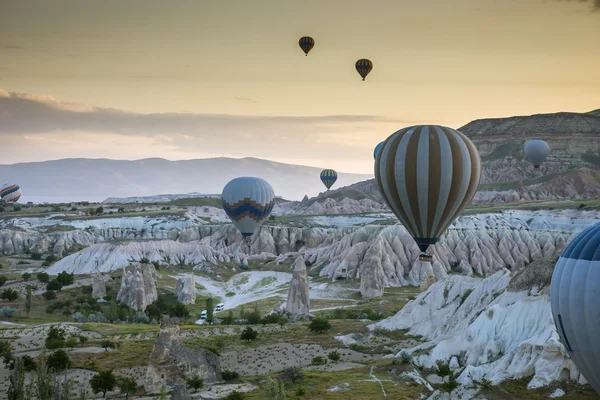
[(425, 257)]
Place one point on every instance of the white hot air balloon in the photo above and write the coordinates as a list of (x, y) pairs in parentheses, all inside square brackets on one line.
[(575, 302), (248, 201), (10, 192), (536, 152)]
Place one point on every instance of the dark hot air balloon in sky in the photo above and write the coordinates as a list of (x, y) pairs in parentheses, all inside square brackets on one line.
[(427, 175), (363, 67), (328, 177), (306, 44), (575, 302)]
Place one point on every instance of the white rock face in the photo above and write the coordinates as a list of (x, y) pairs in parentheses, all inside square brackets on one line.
[(298, 301), (98, 286), (138, 286), (106, 257), (372, 277), (185, 290), (498, 333)]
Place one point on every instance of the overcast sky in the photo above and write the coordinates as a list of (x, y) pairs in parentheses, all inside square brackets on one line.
[(207, 78)]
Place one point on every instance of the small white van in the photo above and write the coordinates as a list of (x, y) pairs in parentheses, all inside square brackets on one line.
[(203, 315), (219, 307)]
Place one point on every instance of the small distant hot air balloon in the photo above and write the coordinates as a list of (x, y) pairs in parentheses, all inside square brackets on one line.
[(328, 177), (536, 152), (306, 44), (10, 193), (574, 298), (248, 201), (377, 148), (427, 176), (363, 67)]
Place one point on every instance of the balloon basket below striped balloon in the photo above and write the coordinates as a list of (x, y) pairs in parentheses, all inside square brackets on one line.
[(426, 257)]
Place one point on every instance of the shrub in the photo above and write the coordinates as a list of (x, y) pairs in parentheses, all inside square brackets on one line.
[(43, 277), (3, 280), (405, 357), (235, 395), (9, 294), (319, 325), (249, 334), (293, 374), (26, 276), (195, 382), (64, 278), (59, 360), (334, 356), (54, 285), (300, 392), (229, 376), (7, 311), (253, 318), (36, 256), (318, 360), (49, 295)]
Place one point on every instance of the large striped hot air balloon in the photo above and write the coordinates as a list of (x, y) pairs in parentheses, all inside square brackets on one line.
[(575, 301), (306, 43), (536, 151), (10, 193), (363, 67), (328, 177), (427, 175), (248, 201)]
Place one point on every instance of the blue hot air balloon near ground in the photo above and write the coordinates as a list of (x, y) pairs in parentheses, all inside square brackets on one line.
[(10, 192), (575, 302), (377, 148), (248, 201), (328, 177)]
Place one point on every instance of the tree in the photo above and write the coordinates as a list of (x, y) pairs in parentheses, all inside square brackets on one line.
[(7, 311), (59, 361), (104, 381), (71, 342), (179, 311), (43, 277), (9, 294), (293, 374), (275, 389), (127, 385), (5, 348), (228, 320), (249, 334), (107, 344), (49, 295), (36, 256), (235, 395), (29, 363), (334, 356), (82, 339), (26, 276), (28, 301), (64, 278), (3, 280), (16, 388), (319, 325), (195, 382), (209, 310), (55, 338), (54, 285), (42, 379)]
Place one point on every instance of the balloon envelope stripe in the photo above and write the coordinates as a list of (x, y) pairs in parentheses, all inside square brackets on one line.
[(9, 190), (237, 212)]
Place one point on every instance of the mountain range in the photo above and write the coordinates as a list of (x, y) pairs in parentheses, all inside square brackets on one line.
[(571, 171)]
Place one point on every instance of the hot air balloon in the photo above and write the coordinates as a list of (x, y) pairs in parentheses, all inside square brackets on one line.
[(306, 44), (574, 299), (427, 175), (328, 177), (10, 193), (363, 67), (536, 152), (248, 201), (377, 148)]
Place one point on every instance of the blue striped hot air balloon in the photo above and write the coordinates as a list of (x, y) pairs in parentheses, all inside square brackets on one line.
[(377, 148), (575, 300), (10, 192), (328, 177), (248, 201)]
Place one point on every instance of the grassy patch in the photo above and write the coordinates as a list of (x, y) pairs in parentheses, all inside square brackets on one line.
[(517, 389), (132, 353), (119, 329)]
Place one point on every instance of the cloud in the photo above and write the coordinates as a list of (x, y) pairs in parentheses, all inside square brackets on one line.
[(315, 139), (248, 99)]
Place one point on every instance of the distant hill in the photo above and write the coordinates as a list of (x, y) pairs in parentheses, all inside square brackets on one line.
[(97, 179), (571, 171)]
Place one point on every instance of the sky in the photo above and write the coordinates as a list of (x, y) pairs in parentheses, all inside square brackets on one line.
[(225, 78)]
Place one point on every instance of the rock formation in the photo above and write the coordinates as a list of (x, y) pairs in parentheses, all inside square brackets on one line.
[(372, 277), (499, 327), (185, 290), (171, 363), (98, 287), (298, 302), (138, 286)]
